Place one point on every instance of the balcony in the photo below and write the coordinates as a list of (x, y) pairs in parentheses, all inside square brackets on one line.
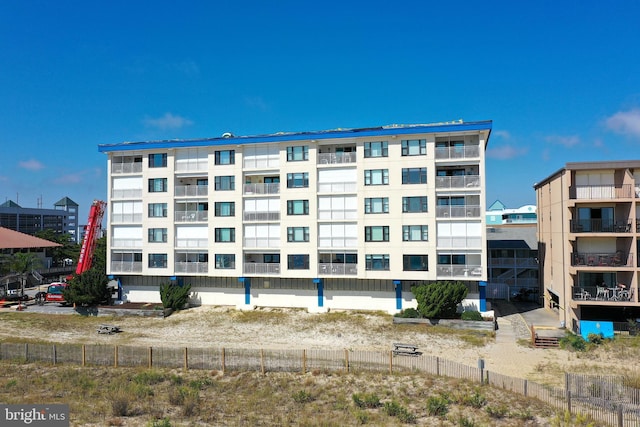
[(455, 270), (590, 259), (599, 226), (464, 181), (459, 242), (261, 216), (127, 193), (261, 242), (336, 158), (606, 293), (191, 216), (337, 269), (253, 189), (126, 267), (128, 218), (457, 153), (118, 168), (455, 211), (261, 268), (337, 187), (191, 267), (601, 192), (126, 243), (190, 243), (191, 190)]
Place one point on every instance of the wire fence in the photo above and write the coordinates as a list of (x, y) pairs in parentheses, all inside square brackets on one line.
[(605, 399)]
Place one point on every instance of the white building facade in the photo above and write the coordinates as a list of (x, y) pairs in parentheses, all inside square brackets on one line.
[(340, 219)]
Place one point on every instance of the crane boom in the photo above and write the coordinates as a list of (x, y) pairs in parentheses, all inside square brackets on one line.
[(91, 234)]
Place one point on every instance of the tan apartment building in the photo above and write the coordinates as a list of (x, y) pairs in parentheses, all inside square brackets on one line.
[(589, 236), (337, 219)]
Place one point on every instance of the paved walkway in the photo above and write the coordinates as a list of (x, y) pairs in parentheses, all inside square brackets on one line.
[(514, 319)]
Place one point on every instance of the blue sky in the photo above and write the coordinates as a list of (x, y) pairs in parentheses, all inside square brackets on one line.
[(559, 79)]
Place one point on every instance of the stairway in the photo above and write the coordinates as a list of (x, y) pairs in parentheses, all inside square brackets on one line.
[(546, 342)]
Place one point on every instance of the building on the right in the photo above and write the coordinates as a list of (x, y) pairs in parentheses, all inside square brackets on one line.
[(588, 242)]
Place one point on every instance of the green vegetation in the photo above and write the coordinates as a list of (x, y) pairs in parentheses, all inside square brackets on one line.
[(439, 299), (174, 296), (88, 289), (471, 315)]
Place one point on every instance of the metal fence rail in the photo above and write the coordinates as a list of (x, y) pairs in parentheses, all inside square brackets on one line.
[(603, 398)]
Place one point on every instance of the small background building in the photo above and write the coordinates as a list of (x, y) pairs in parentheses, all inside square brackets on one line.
[(62, 219)]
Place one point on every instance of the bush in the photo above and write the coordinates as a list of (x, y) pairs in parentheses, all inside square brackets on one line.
[(596, 339), (174, 296), (573, 342), (471, 315), (88, 289), (409, 313), (497, 411), (437, 406), (303, 396), (394, 409), (439, 299), (366, 400)]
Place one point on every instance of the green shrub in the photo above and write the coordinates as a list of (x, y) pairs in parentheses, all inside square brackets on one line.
[(437, 406), (160, 423), (366, 400), (303, 396), (497, 411), (573, 342), (471, 315), (476, 400), (409, 313), (595, 339), (174, 296), (394, 409), (148, 377), (439, 299)]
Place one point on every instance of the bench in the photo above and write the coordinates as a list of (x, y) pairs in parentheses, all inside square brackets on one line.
[(400, 349), (108, 329)]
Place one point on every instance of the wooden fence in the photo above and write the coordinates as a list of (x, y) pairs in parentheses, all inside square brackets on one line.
[(604, 399)]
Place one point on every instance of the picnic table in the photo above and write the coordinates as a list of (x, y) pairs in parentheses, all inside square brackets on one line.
[(400, 349), (108, 329)]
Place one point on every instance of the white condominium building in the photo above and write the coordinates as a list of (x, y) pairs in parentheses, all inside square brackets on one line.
[(337, 219)]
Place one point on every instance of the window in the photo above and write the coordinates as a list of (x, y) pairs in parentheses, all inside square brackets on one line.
[(225, 209), (376, 205), (297, 234), (157, 260), (415, 263), (414, 204), (414, 175), (298, 262), (378, 233), (157, 185), (297, 207), (412, 233), (225, 235), (376, 262), (298, 180), (157, 210), (225, 183), (297, 153), (376, 149), (158, 160), (157, 235), (225, 157), (225, 261), (376, 177), (414, 147), (271, 258)]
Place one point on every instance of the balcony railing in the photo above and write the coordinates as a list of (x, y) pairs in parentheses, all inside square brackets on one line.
[(459, 242), (590, 259), (271, 188), (468, 151), (192, 243), (462, 211), (199, 165), (126, 167), (128, 218), (465, 181), (455, 270), (514, 262), (261, 268), (599, 226), (126, 267), (128, 193), (607, 293), (601, 192), (191, 267), (338, 214), (191, 190), (126, 243), (261, 242), (261, 216), (337, 269), (336, 158), (191, 216), (337, 187)]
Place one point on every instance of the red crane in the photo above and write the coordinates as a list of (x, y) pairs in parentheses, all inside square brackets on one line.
[(91, 234)]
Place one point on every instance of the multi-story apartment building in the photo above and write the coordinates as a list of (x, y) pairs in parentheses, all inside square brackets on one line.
[(339, 219), (63, 218), (589, 236)]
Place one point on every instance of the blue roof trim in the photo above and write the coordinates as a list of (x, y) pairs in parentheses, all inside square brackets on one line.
[(297, 136)]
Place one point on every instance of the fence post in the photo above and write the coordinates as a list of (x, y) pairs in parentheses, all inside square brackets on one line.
[(620, 419), (346, 359), (525, 387), (26, 351), (390, 361), (304, 361), (481, 368), (437, 365), (84, 355), (186, 358), (54, 354), (150, 354), (262, 361), (115, 356), (222, 360)]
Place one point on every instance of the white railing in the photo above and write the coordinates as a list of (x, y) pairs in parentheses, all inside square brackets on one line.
[(261, 242), (127, 218), (199, 165), (126, 167), (191, 190), (191, 267), (253, 162), (333, 269), (261, 216), (261, 268), (126, 243), (129, 193), (126, 267), (342, 214), (459, 242), (336, 158), (462, 211), (454, 270), (184, 242), (271, 188), (338, 242), (465, 181), (337, 187), (191, 216), (467, 151)]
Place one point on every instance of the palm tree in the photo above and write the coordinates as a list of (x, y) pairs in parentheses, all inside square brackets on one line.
[(22, 264)]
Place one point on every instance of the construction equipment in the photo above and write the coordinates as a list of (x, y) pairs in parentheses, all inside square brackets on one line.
[(91, 235)]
